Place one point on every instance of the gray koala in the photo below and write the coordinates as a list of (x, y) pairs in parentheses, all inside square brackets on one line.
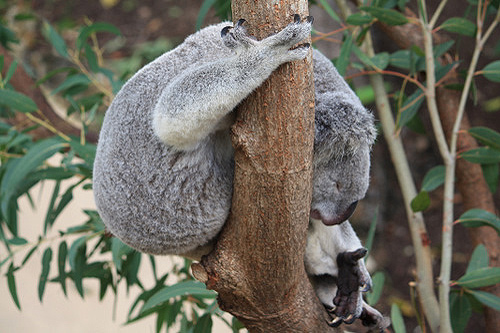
[(164, 166)]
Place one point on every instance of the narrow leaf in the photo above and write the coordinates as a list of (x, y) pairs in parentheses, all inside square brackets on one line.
[(55, 39), (373, 295), (479, 259), (71, 81), (434, 178), (388, 16), (460, 312), (329, 10), (482, 155), (381, 60), (10, 72), (17, 101), (359, 19), (459, 25), (491, 173), (477, 218), (61, 264), (47, 257), (345, 53), (11, 282), (118, 250), (486, 136), (487, 299), (481, 277), (492, 71), (204, 324), (85, 32), (180, 289), (398, 323)]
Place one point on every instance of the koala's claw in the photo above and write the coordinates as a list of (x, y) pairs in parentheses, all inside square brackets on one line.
[(310, 19), (296, 18)]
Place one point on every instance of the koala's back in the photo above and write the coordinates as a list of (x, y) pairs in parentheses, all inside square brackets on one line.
[(153, 198)]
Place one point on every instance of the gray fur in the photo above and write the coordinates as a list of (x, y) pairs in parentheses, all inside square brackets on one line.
[(164, 165)]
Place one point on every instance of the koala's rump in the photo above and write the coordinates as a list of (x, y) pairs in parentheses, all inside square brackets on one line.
[(155, 199)]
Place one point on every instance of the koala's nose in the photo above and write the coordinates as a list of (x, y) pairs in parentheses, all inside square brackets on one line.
[(316, 214)]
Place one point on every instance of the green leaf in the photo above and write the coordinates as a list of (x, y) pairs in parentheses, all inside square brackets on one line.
[(479, 259), (47, 257), (119, 250), (180, 289), (434, 178), (204, 324), (371, 234), (459, 25), (410, 108), (55, 39), (359, 19), (481, 277), (388, 16), (373, 295), (17, 241), (10, 72), (17, 101), (329, 10), (421, 202), (492, 71), (486, 136), (486, 298), (491, 173), (85, 32), (11, 282), (482, 155), (202, 13), (345, 53), (30, 253), (72, 81), (441, 49), (86, 152), (381, 60), (460, 312), (18, 170), (477, 218), (401, 59), (398, 323), (77, 261), (61, 264)]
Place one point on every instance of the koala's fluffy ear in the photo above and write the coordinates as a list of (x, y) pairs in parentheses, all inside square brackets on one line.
[(342, 125)]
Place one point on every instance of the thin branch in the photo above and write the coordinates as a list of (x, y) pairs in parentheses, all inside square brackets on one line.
[(437, 13)]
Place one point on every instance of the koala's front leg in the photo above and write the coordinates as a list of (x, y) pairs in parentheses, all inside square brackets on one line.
[(196, 101)]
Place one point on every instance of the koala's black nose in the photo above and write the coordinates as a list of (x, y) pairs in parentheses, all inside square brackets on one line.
[(347, 214)]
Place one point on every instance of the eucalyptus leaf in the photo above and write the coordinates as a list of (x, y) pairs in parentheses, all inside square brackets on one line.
[(398, 323), (55, 39), (434, 178), (492, 71), (486, 298), (388, 16), (482, 155), (491, 173), (46, 259), (479, 259), (17, 101), (481, 277), (421, 202), (477, 218), (11, 283), (460, 312), (179, 289), (373, 295), (85, 32), (486, 136), (459, 25)]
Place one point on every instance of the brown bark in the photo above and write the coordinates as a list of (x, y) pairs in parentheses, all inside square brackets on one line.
[(257, 267), (469, 176), (23, 83)]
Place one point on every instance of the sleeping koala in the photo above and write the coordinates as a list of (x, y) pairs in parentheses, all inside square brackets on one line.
[(164, 166)]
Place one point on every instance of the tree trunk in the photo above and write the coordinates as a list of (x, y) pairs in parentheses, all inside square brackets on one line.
[(257, 267)]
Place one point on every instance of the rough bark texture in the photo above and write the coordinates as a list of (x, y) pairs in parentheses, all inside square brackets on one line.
[(469, 176), (257, 267)]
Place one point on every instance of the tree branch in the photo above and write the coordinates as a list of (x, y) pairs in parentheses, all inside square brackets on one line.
[(257, 267)]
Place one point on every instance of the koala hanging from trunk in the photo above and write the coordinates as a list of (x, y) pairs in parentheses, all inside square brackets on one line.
[(164, 166)]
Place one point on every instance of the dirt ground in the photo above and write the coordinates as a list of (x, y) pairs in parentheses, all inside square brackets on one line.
[(149, 20)]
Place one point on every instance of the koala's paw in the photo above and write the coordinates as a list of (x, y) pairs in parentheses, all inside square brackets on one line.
[(237, 36), (352, 281)]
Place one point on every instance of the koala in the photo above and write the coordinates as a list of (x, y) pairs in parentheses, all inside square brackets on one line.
[(163, 170)]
